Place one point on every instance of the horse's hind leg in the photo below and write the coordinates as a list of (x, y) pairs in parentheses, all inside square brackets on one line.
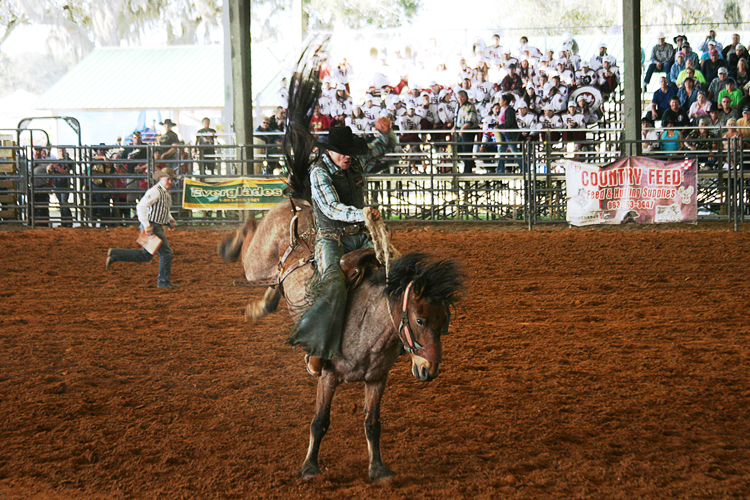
[(326, 387), (259, 308), (373, 395)]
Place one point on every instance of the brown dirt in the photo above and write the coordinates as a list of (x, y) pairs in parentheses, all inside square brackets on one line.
[(584, 364)]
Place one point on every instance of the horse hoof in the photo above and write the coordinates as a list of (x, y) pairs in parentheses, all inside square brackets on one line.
[(309, 471), (254, 311), (381, 473)]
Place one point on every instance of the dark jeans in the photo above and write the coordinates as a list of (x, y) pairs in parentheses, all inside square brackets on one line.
[(504, 148), (41, 208), (165, 256), (466, 146), (63, 197), (652, 69), (100, 201), (321, 328)]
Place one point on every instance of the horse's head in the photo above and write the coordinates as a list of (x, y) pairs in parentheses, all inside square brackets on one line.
[(422, 293)]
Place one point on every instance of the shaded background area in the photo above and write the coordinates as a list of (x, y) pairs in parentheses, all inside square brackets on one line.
[(606, 363)]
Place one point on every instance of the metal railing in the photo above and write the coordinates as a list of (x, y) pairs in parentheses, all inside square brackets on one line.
[(428, 180)]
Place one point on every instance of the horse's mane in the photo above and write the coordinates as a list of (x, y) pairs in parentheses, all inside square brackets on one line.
[(436, 280), (299, 142)]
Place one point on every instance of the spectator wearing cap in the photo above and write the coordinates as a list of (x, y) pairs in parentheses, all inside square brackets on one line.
[(565, 73), (676, 114), (446, 110), (700, 108), (661, 98), (718, 84), (512, 81), (744, 122), (573, 119), (678, 66), (585, 76), (732, 92), (608, 76), (690, 55), (527, 121), (342, 106), (702, 144), (679, 40), (711, 45), (688, 94), (710, 67), (662, 55), (551, 120), (167, 142), (597, 60), (709, 42)]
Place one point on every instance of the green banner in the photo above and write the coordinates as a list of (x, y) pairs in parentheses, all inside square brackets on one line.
[(237, 194)]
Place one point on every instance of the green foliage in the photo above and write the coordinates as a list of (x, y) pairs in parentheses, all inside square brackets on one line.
[(325, 14), (34, 73)]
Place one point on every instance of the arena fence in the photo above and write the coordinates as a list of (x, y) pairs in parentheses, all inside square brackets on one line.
[(513, 181)]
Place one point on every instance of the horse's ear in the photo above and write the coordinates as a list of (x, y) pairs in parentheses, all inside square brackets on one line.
[(418, 289)]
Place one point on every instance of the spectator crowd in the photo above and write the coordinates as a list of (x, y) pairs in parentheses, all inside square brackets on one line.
[(707, 90)]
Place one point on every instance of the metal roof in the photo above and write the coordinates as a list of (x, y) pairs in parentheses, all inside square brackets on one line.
[(142, 78)]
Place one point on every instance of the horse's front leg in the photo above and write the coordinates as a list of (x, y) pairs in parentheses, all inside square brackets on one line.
[(373, 395), (326, 387)]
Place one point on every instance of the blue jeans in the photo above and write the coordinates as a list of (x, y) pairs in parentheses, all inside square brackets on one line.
[(321, 328), (463, 149), (164, 252), (504, 148)]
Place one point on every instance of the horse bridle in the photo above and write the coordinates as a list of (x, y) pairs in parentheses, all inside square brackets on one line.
[(431, 352)]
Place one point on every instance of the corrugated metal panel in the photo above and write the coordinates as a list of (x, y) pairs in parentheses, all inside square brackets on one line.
[(142, 78)]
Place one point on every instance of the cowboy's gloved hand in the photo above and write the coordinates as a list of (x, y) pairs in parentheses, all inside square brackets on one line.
[(383, 124)]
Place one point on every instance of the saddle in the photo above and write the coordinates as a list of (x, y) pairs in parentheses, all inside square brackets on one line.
[(355, 264)]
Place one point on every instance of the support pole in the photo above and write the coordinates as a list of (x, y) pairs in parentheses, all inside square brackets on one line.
[(631, 24), (242, 97)]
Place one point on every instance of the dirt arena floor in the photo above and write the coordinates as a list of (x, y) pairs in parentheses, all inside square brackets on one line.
[(596, 363)]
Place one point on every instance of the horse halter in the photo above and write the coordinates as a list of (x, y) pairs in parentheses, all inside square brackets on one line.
[(431, 352)]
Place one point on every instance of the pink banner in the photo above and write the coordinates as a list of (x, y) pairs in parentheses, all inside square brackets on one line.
[(633, 189)]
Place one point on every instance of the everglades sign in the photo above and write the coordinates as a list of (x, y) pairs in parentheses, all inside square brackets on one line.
[(238, 194)]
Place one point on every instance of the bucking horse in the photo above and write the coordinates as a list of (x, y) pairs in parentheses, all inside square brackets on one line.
[(409, 311), (404, 307)]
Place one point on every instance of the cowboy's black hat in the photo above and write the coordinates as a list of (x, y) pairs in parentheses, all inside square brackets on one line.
[(341, 140)]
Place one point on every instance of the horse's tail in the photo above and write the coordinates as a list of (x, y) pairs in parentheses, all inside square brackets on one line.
[(230, 247)]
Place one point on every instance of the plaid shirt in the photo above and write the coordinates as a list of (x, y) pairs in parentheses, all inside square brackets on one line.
[(323, 193), (467, 113), (662, 53)]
